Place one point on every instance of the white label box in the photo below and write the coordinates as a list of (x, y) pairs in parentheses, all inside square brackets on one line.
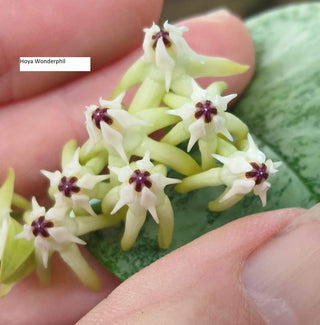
[(55, 63)]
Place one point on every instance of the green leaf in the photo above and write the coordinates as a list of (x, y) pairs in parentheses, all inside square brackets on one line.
[(6, 191), (282, 110), (17, 259)]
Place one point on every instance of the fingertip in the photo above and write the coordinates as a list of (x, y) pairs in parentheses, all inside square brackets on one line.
[(30, 302), (103, 30)]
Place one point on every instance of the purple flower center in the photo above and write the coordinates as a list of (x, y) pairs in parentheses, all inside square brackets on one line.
[(67, 186), (258, 172), (40, 226), (140, 179), (165, 38), (99, 115), (205, 109)]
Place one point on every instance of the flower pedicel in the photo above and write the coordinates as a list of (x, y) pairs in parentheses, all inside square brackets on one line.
[(125, 170)]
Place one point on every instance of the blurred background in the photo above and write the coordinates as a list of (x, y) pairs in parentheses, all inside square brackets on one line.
[(176, 9)]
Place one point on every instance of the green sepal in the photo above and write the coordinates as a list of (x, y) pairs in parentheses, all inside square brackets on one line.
[(110, 200), (6, 191), (73, 257), (166, 223), (96, 164), (97, 150), (216, 88), (17, 258), (68, 152), (208, 146), (133, 76), (85, 224), (157, 118), (175, 101), (21, 202), (134, 223), (236, 126), (160, 169), (43, 273), (100, 190), (168, 155), (225, 148), (207, 178), (177, 134), (149, 94), (212, 67), (182, 85), (217, 205)]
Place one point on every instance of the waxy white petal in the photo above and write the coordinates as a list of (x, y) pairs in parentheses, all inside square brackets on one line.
[(165, 62), (37, 210), (82, 201), (59, 210), (41, 245), (54, 177), (125, 119), (185, 111), (89, 181), (112, 104), (261, 191), (127, 196), (198, 94), (94, 133), (146, 45), (221, 102), (160, 181), (197, 130), (114, 139), (145, 163), (253, 153), (239, 186), (148, 200), (236, 163), (220, 127), (123, 173), (26, 233), (61, 235)]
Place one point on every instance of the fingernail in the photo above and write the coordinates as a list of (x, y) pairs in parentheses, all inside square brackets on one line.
[(283, 276), (218, 13)]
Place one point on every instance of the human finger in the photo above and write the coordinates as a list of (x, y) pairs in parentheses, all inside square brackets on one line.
[(103, 30), (65, 301), (203, 282)]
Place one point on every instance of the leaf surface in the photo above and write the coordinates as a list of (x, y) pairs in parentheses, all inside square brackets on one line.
[(282, 109)]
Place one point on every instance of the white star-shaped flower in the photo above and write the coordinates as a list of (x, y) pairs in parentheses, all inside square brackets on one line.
[(110, 123), (73, 183), (141, 189), (205, 115), (48, 231), (247, 171), (162, 46)]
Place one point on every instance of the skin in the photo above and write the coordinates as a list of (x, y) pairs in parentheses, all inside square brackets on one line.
[(41, 111)]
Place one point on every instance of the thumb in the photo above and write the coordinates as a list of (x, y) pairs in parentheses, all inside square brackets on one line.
[(249, 271)]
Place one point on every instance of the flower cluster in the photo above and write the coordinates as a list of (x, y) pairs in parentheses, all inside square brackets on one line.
[(123, 168)]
